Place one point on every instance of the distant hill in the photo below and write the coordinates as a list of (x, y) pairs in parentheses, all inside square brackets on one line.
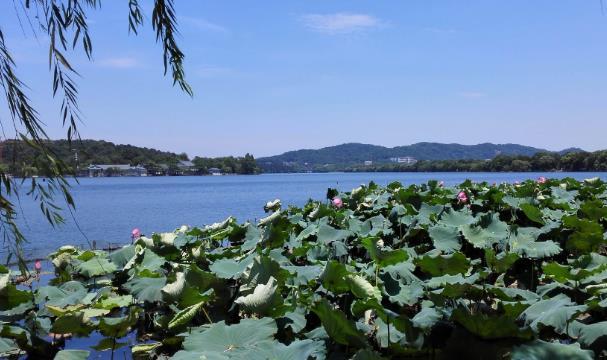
[(89, 152), (19, 159), (355, 153)]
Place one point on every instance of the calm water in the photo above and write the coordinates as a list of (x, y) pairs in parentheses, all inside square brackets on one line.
[(107, 209)]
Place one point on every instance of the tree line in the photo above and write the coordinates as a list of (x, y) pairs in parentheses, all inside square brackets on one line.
[(20, 160), (542, 161)]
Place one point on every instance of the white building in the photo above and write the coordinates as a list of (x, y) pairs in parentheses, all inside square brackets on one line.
[(368, 163), (407, 160)]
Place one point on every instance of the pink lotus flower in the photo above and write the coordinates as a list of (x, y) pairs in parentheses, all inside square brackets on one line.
[(541, 180), (337, 202), (135, 234), (462, 197), (38, 266), (441, 184), (517, 182)]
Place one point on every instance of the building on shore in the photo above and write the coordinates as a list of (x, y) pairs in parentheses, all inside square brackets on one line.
[(407, 160), (186, 167), (215, 171), (95, 170)]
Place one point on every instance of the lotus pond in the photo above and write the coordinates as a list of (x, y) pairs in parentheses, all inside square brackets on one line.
[(514, 271)]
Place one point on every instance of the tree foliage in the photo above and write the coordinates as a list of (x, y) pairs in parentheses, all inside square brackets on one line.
[(65, 24)]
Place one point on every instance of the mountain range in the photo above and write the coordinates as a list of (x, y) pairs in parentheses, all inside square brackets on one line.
[(356, 153)]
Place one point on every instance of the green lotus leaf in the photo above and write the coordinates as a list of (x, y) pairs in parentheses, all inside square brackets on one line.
[(185, 316), (532, 213), (453, 218), (555, 312), (220, 341), (428, 214), (594, 210), (112, 302), (8, 347), (366, 354), (199, 286), (484, 238), (375, 226), (296, 350), (93, 313), (590, 334), (441, 281), (334, 276), (69, 293), (406, 294), (117, 327), (230, 268), (72, 323), (388, 334), (542, 350), (327, 234), (445, 238), (146, 288), (252, 237), (562, 196), (361, 288), (524, 243), (490, 326), (295, 319), (144, 351), (122, 256), (383, 256), (96, 266), (72, 355), (455, 263), (426, 318), (339, 328), (108, 344), (513, 294), (262, 269), (587, 235), (11, 297), (151, 262), (501, 262), (263, 298), (17, 333), (304, 274), (173, 290)]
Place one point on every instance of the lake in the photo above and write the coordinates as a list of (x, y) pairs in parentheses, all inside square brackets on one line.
[(107, 209)]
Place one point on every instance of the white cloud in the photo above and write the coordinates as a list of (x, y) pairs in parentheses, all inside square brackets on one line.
[(472, 94), (340, 23), (202, 24), (119, 62)]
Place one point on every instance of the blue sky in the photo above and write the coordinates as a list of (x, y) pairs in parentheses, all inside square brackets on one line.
[(273, 76)]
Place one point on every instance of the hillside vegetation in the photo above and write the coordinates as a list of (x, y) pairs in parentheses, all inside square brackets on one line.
[(341, 156), (543, 161), (20, 159)]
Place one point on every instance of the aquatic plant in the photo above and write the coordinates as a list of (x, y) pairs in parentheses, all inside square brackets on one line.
[(513, 271)]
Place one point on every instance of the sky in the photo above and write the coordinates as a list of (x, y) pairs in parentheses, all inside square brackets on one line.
[(274, 76)]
